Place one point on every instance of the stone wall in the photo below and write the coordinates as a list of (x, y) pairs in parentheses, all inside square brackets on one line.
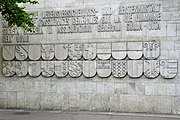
[(94, 55)]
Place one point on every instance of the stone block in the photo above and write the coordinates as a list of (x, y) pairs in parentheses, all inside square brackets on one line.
[(176, 105), (12, 86), (171, 30), (73, 103), (12, 100), (131, 103), (120, 88), (56, 101), (158, 104), (84, 101), (80, 87), (100, 102), (51, 86), (109, 87), (140, 88), (46, 99), (3, 103), (159, 89), (21, 100), (114, 102), (31, 87), (90, 87), (32, 100), (178, 89), (40, 86), (100, 87), (2, 87)]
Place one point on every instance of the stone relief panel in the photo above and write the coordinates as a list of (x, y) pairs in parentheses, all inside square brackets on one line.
[(47, 52), (151, 68), (89, 68), (103, 51), (168, 68), (88, 65), (47, 68), (89, 51), (34, 52), (119, 68), (75, 68), (8, 52), (61, 51), (135, 68), (9, 68), (119, 50), (75, 51), (21, 68), (34, 68), (21, 52), (104, 68), (61, 68), (134, 50), (151, 50)]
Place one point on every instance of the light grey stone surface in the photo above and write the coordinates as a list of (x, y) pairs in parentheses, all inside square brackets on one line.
[(21, 52), (21, 68), (34, 52), (34, 68), (89, 51), (135, 68), (89, 68), (75, 68), (8, 52), (119, 68), (94, 55), (134, 50), (103, 68), (61, 51), (47, 52), (104, 51), (151, 68), (119, 50), (61, 68)]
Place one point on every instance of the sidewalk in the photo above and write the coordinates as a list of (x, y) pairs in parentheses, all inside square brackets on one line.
[(65, 115)]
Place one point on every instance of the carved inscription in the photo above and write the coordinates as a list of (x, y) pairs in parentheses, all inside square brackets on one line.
[(151, 68), (61, 51), (89, 68), (21, 68), (119, 50), (168, 68), (104, 68), (135, 68), (61, 68), (104, 51), (151, 50), (89, 51), (119, 68), (8, 52), (34, 68), (34, 52), (9, 68), (75, 68), (47, 52), (21, 52), (47, 68), (75, 51)]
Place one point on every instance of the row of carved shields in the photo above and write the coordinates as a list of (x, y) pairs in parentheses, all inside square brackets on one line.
[(102, 68), (89, 51)]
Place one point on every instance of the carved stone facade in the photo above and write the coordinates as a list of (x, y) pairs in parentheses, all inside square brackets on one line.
[(99, 55), (88, 65)]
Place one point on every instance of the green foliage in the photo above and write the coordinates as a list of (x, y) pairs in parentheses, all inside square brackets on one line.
[(15, 14)]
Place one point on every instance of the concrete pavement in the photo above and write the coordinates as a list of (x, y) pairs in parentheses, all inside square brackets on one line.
[(66, 115)]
